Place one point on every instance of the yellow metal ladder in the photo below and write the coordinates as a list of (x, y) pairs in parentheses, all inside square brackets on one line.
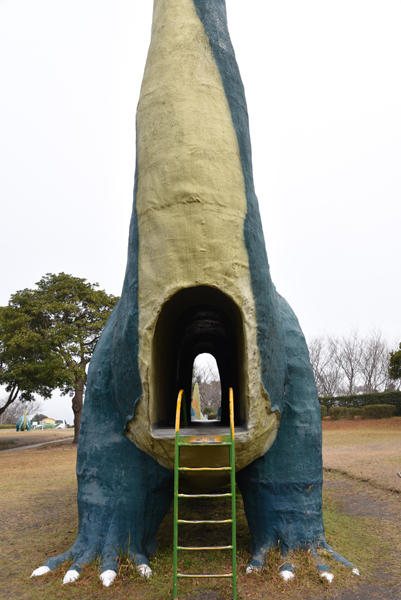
[(221, 440)]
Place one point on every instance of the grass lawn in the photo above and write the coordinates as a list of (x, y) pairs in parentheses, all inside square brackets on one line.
[(38, 517), (368, 450)]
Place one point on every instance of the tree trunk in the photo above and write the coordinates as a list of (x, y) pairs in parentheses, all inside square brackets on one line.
[(77, 405), (12, 396)]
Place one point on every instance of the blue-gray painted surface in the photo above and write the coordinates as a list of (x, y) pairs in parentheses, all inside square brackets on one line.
[(126, 382), (282, 489), (123, 493)]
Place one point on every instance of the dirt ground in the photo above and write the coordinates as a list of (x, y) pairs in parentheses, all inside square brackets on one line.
[(366, 450), (38, 512)]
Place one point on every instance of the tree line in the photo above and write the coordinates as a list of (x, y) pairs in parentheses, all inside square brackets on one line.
[(354, 364), (47, 338)]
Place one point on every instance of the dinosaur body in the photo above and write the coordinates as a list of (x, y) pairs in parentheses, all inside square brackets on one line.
[(23, 423), (197, 280)]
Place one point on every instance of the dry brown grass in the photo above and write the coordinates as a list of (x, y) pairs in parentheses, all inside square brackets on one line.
[(38, 519), (368, 450), (38, 512), (9, 438)]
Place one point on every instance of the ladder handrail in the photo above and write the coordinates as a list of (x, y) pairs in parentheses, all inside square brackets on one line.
[(231, 399), (178, 413)]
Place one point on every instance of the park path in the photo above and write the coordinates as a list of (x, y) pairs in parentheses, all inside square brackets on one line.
[(66, 439)]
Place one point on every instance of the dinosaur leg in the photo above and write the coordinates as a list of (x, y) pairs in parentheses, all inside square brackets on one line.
[(123, 494), (282, 490)]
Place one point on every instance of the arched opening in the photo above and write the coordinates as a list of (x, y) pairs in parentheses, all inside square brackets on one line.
[(195, 321), (206, 389)]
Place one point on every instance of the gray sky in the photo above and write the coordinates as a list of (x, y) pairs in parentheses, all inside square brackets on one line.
[(323, 86)]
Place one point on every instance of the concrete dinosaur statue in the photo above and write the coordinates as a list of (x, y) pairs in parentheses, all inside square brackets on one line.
[(23, 423), (197, 280)]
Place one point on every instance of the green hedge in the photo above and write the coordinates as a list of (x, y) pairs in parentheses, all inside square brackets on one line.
[(323, 410), (342, 412), (337, 412), (380, 411), (357, 412), (362, 400), (7, 426)]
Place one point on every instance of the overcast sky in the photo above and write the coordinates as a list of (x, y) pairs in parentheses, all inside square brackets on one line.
[(323, 86)]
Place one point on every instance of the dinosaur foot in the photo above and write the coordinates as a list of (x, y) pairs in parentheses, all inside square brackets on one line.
[(71, 576), (287, 571), (144, 571), (40, 571), (324, 570), (106, 577), (81, 555)]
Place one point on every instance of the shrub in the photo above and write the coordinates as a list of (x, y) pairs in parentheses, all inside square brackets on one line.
[(362, 400), (380, 411), (338, 412), (354, 412), (344, 412), (357, 412), (7, 426), (323, 410)]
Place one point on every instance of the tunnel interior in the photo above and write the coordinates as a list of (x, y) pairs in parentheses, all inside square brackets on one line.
[(194, 321)]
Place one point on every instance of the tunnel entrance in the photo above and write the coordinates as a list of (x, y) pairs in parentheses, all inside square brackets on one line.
[(194, 321), (206, 389)]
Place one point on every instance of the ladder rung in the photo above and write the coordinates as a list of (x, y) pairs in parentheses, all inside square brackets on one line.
[(217, 575), (220, 521), (204, 439), (204, 468), (204, 444), (205, 548), (228, 495)]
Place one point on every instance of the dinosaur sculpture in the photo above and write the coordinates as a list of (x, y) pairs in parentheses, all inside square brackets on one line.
[(195, 404), (23, 423), (197, 280)]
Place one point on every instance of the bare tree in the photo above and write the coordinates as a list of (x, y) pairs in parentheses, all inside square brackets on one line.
[(206, 375), (351, 364), (16, 410), (327, 371), (346, 352), (374, 361)]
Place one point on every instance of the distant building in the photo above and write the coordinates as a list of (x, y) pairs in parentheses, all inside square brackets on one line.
[(48, 423)]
